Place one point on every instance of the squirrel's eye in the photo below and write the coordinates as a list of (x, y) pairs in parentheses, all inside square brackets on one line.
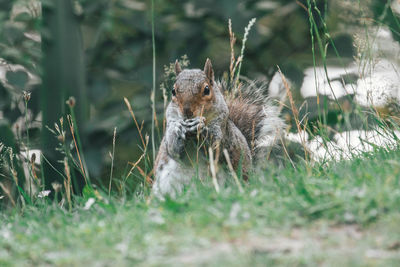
[(173, 92), (206, 90)]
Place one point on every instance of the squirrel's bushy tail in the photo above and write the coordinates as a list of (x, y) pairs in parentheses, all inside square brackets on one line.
[(256, 116)]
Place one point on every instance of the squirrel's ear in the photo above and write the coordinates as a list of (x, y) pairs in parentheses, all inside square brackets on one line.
[(177, 68), (208, 70)]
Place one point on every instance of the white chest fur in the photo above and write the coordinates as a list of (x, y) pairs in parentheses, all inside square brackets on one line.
[(174, 174)]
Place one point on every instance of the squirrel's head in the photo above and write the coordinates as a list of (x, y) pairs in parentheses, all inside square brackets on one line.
[(193, 90)]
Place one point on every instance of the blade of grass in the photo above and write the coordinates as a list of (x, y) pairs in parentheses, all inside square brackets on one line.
[(78, 144), (71, 127), (112, 161), (153, 94)]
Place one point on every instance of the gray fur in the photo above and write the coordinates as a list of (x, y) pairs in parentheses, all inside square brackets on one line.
[(175, 133), (190, 81), (224, 129), (269, 127)]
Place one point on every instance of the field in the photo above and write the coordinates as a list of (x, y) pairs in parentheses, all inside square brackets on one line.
[(343, 213)]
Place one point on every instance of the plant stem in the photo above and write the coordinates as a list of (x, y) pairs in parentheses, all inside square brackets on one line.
[(78, 140), (112, 161), (27, 148), (153, 94)]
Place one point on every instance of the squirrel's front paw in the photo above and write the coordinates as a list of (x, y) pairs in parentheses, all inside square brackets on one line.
[(195, 125), (175, 138)]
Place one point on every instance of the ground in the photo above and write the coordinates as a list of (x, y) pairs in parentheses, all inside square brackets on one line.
[(344, 213)]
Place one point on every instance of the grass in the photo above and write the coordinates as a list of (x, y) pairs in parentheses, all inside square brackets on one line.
[(346, 213), (327, 214)]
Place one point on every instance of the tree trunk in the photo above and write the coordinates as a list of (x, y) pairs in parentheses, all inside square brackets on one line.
[(63, 76)]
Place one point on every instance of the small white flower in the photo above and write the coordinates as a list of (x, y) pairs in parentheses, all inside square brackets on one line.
[(1, 197), (44, 193), (89, 203)]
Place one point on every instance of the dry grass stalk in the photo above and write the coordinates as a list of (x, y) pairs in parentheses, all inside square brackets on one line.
[(232, 40), (134, 164), (33, 158), (228, 161), (141, 128), (134, 119), (235, 80), (71, 127), (212, 168), (8, 193), (295, 112), (147, 177), (199, 144), (67, 183), (301, 5), (12, 169), (240, 58), (156, 122), (217, 154), (253, 134), (286, 152)]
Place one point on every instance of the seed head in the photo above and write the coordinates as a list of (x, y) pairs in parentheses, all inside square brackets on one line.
[(71, 102), (27, 96)]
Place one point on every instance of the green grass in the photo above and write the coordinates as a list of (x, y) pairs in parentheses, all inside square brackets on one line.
[(343, 213)]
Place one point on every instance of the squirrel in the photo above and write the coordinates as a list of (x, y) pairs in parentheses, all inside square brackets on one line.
[(200, 116)]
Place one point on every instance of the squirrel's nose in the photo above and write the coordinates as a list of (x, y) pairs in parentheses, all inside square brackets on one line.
[(187, 112)]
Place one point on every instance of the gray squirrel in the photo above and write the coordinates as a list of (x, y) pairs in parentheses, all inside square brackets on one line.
[(199, 116)]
